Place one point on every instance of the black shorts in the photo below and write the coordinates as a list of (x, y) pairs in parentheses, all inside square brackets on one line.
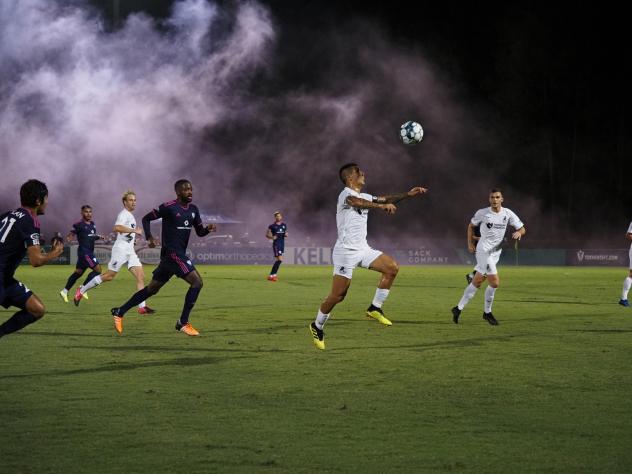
[(278, 249), (172, 264), (14, 293), (86, 260)]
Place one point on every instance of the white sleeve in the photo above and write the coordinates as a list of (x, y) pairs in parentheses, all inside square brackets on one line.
[(630, 228), (515, 221), (367, 197), (478, 217), (121, 219)]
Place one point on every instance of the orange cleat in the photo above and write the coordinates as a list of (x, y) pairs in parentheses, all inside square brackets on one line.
[(118, 320), (187, 329)]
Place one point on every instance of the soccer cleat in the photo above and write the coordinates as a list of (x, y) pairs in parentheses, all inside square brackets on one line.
[(376, 313), (624, 303), (489, 317), (272, 278), (64, 295), (318, 336), (146, 310), (187, 329), (456, 312), (118, 320), (77, 298), (85, 296)]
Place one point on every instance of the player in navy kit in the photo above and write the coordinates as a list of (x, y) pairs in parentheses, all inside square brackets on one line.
[(178, 218), (277, 232), (86, 233), (19, 236)]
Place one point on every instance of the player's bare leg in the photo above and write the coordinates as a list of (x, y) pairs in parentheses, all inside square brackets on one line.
[(339, 288), (389, 269)]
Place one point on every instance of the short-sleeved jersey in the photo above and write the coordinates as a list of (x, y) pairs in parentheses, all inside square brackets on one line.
[(493, 226), (19, 230), (177, 222), (125, 240), (630, 232), (351, 222), (279, 231), (86, 233)]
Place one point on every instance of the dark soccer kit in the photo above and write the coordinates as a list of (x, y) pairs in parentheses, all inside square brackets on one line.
[(278, 244), (177, 222), (86, 233), (19, 230)]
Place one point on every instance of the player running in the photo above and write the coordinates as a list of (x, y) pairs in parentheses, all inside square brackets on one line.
[(178, 218), (19, 236), (122, 253), (627, 282), (277, 232), (493, 223), (86, 233), (352, 249)]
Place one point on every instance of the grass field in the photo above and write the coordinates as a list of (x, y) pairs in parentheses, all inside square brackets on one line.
[(548, 390)]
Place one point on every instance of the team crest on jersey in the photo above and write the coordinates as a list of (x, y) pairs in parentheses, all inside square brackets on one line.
[(489, 225), (193, 215)]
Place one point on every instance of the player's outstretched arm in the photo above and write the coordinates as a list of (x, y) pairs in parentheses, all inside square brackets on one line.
[(269, 234), (37, 258), (628, 236), (360, 203), (395, 198)]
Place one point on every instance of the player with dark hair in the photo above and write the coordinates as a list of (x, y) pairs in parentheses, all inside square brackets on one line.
[(352, 250), (178, 218), (86, 233), (277, 232), (19, 236), (493, 222)]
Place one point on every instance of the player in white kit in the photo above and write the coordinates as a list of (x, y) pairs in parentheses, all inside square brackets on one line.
[(627, 282), (493, 223), (352, 249), (122, 253)]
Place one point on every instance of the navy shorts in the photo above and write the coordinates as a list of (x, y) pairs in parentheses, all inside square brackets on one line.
[(172, 264), (14, 293), (86, 260), (278, 249)]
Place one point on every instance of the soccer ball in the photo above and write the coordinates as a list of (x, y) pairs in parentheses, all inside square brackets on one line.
[(411, 133)]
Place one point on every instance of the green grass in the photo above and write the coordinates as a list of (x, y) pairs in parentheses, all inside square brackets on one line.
[(548, 390)]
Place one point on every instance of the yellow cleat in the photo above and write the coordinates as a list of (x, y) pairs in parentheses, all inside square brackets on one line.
[(318, 336), (64, 296), (85, 296), (378, 315)]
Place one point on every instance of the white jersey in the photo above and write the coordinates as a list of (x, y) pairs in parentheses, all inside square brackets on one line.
[(125, 240), (351, 222), (493, 226), (630, 232)]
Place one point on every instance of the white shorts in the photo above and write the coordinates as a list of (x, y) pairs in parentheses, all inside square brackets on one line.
[(630, 256), (486, 262), (345, 260), (122, 256)]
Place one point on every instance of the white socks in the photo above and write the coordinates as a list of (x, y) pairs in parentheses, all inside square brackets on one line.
[(468, 294), (627, 283), (380, 296), (96, 281), (489, 298), (321, 319)]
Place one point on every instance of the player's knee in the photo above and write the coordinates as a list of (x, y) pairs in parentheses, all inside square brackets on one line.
[(38, 310), (392, 269)]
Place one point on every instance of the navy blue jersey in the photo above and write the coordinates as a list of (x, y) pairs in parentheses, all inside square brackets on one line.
[(86, 233), (279, 231), (19, 229), (177, 222)]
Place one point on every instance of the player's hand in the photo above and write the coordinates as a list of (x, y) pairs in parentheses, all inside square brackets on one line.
[(57, 247), (417, 190), (516, 235), (138, 231), (211, 227), (389, 208), (471, 247), (152, 242)]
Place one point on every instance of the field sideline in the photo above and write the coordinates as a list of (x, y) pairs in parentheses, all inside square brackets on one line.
[(548, 390)]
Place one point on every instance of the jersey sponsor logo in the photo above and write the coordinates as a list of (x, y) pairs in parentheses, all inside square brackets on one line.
[(35, 238)]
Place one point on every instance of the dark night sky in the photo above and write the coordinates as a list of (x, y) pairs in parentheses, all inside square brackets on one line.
[(537, 104)]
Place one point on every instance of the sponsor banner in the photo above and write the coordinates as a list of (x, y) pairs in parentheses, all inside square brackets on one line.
[(600, 257), (424, 256)]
